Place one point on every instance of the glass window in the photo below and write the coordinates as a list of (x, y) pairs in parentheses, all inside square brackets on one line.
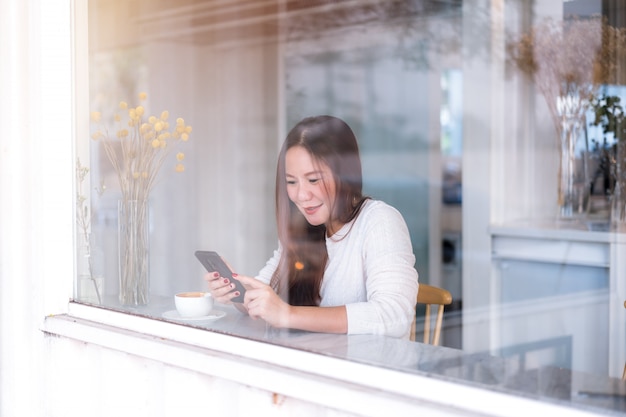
[(241, 76), (454, 131)]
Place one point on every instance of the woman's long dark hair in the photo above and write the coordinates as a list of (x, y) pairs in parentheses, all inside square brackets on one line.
[(330, 141)]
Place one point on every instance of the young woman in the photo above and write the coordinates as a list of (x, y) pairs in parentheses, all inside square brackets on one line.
[(344, 262)]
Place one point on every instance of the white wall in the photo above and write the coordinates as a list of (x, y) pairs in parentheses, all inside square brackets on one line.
[(36, 206), (479, 108), (509, 169), (89, 380)]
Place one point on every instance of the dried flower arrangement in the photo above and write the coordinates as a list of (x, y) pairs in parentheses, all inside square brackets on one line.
[(569, 60), (137, 152), (563, 58), (143, 147)]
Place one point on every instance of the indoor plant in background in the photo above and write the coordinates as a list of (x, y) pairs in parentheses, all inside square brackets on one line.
[(137, 147), (609, 115), (568, 61)]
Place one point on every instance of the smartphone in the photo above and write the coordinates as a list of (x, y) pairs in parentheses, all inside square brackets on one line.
[(213, 262)]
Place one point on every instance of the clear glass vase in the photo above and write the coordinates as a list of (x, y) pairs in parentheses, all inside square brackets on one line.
[(574, 188), (133, 246)]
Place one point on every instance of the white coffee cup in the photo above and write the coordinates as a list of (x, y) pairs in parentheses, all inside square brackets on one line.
[(193, 304)]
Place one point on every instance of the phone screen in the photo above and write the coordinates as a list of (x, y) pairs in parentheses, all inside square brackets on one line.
[(212, 261)]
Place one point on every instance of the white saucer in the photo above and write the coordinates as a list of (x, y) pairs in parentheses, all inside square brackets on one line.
[(173, 315)]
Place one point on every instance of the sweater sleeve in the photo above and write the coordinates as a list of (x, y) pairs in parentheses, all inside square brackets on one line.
[(265, 274), (391, 279)]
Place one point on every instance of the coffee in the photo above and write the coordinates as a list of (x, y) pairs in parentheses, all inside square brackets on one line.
[(190, 294), (193, 303)]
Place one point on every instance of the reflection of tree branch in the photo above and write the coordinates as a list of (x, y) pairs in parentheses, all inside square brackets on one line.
[(410, 21)]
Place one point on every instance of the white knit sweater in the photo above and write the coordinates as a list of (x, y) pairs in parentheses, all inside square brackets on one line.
[(370, 270)]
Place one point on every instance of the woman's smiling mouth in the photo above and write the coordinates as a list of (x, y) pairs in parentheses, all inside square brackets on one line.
[(311, 210)]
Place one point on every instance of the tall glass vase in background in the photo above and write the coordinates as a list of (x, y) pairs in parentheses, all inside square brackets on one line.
[(133, 246), (574, 186), (618, 198)]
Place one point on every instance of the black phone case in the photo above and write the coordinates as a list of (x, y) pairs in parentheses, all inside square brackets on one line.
[(214, 262)]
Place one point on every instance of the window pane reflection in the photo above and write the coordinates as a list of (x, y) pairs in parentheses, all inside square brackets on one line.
[(473, 174)]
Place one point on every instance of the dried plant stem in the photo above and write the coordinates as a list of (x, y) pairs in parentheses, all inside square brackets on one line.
[(83, 218), (133, 253), (92, 278)]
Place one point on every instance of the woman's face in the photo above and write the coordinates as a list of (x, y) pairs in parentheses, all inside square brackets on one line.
[(310, 186)]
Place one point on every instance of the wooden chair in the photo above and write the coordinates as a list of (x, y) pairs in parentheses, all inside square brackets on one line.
[(429, 295)]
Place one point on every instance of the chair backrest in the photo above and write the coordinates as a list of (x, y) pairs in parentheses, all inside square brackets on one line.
[(429, 295)]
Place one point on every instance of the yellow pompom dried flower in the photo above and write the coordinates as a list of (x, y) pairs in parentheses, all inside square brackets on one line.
[(142, 146), (184, 137)]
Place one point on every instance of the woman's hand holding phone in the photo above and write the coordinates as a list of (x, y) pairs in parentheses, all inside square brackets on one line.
[(223, 284), (222, 289), (247, 293)]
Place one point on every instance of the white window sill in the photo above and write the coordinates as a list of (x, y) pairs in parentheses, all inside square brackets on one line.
[(337, 383)]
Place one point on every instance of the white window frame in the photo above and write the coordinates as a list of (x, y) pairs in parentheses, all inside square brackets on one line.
[(339, 384)]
